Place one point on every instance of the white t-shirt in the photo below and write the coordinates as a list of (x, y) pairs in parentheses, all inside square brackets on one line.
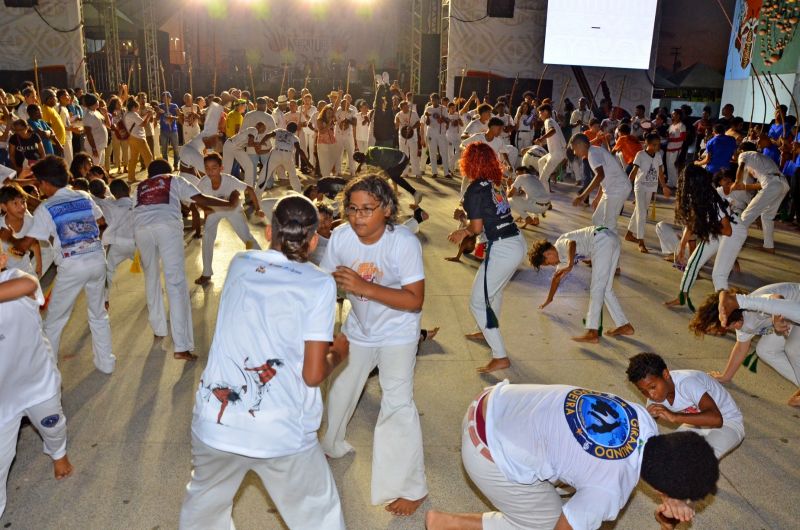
[(556, 145), (94, 120), (191, 122), (674, 133), (133, 123), (475, 127), (70, 218), (507, 121), (756, 323), (584, 245), (285, 141), (119, 218), (590, 440), (691, 385), (269, 307), (434, 128), (345, 114), (394, 261), (22, 112), (28, 373), (6, 173), (453, 128), (533, 188), (24, 262), (582, 116), (158, 200), (737, 199), (279, 118), (227, 185), (497, 144), (308, 116), (240, 139), (213, 115), (649, 168), (362, 129), (406, 119), (616, 181), (760, 167)]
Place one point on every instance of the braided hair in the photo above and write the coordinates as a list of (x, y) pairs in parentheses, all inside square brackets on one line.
[(698, 205), (294, 223)]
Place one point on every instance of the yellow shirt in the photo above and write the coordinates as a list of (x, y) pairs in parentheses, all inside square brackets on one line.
[(233, 123), (51, 117)]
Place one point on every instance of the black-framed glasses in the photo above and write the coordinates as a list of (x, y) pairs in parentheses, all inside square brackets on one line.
[(367, 211)]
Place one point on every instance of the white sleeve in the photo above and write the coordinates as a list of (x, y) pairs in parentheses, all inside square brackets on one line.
[(595, 159), (96, 211), (694, 387), (237, 184), (184, 189), (321, 317), (637, 160), (589, 507), (43, 226), (329, 263), (408, 254)]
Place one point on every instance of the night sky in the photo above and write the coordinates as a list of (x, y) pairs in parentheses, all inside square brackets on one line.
[(699, 28)]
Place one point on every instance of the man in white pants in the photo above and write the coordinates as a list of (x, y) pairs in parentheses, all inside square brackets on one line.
[(308, 118), (251, 119), (771, 186), (556, 145), (609, 175), (435, 118), (282, 158), (346, 134), (71, 219), (235, 149), (407, 122), (519, 440), (158, 231)]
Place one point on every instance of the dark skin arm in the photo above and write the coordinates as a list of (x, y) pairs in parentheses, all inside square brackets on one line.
[(559, 275), (407, 298), (740, 185), (709, 415), (599, 175), (206, 201), (321, 358)]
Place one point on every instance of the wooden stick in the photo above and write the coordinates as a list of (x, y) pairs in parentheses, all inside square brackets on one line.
[(252, 83), (347, 84), (308, 75), (594, 96), (163, 75), (130, 75), (191, 84), (214, 82), (91, 83), (564, 92), (461, 84), (752, 104), (541, 78), (36, 77), (374, 80), (794, 102), (283, 79), (621, 89), (513, 89)]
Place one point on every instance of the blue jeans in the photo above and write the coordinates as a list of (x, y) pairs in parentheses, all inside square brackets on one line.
[(170, 138)]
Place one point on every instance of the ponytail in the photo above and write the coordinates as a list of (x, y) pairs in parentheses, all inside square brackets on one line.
[(294, 223)]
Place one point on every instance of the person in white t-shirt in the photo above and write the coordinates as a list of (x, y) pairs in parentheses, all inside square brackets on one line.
[(235, 149), (771, 187), (118, 236), (258, 406), (281, 159), (308, 118), (579, 119), (379, 265), (72, 220), (615, 186), (454, 125), (528, 197), (158, 232), (363, 127), (222, 186), (779, 342), (30, 383), (16, 219), (519, 440), (647, 174), (556, 145), (94, 129), (190, 118), (691, 398), (407, 124), (435, 119), (601, 246), (676, 136), (499, 112), (346, 118), (481, 122)]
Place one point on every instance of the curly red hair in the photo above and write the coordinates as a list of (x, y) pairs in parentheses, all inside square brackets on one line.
[(479, 161)]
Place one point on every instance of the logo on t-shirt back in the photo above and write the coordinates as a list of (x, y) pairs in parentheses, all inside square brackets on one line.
[(154, 191), (604, 425), (76, 227)]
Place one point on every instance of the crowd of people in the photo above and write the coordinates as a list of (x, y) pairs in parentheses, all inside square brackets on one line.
[(76, 206)]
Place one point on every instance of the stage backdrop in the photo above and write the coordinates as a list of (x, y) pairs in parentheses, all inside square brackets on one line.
[(24, 35), (512, 47), (759, 49)]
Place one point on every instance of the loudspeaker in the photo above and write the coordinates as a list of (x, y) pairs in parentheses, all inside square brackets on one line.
[(21, 3), (429, 63), (500, 8)]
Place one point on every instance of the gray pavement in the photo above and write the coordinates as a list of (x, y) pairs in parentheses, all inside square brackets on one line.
[(129, 432)]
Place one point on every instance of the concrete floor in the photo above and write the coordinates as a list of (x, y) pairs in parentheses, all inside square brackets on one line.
[(129, 432)]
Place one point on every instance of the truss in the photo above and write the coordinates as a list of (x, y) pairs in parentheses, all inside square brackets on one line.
[(152, 63)]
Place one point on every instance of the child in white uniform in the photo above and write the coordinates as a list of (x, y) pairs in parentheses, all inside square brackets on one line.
[(379, 265), (222, 186), (691, 398), (556, 145), (647, 174), (158, 231), (30, 384), (17, 220), (404, 121), (601, 246), (258, 405), (119, 234), (528, 197)]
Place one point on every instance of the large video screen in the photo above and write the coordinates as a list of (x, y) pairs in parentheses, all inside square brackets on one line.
[(605, 33)]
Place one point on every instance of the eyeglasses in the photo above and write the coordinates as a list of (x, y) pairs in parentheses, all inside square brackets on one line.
[(367, 211)]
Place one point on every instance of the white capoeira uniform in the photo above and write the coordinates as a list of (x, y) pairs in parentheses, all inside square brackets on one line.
[(387, 338), (645, 185), (536, 199), (524, 132), (539, 435), (436, 138), (235, 149), (95, 121), (307, 133), (667, 237), (363, 132), (251, 119), (158, 231), (600, 245), (690, 387), (191, 154), (190, 130), (70, 218), (616, 187), (281, 158), (30, 383), (24, 262), (579, 116), (65, 119), (118, 236), (408, 146), (253, 410), (768, 199), (453, 137), (781, 353), (556, 151), (345, 139), (677, 135)]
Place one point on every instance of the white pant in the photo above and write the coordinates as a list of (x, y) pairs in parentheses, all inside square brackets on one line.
[(75, 275), (327, 158), (526, 206), (639, 218), (231, 153), (347, 145), (524, 139), (671, 169), (189, 132), (765, 204), (363, 145), (117, 253), (667, 237), (164, 242), (68, 149), (608, 210), (453, 151), (522, 506), (722, 440), (504, 258), (307, 142), (300, 485), (437, 145), (49, 421), (237, 221), (782, 353), (548, 164), (101, 152), (283, 160), (725, 248), (409, 148), (398, 467), (788, 309), (605, 256)]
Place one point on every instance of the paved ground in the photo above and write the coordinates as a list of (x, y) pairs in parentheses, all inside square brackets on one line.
[(129, 432)]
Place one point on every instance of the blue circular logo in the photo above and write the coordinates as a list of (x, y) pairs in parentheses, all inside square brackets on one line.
[(606, 426), (50, 421)]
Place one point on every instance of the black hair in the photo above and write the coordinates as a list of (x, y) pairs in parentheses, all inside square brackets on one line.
[(747, 146), (679, 112), (158, 167), (640, 106), (81, 184), (53, 170), (536, 253), (580, 138), (97, 188), (484, 107), (311, 188), (294, 223), (89, 100), (119, 188), (625, 128), (706, 316), (33, 107), (98, 170), (697, 203), (737, 120), (495, 122), (545, 108), (324, 209), (10, 192), (719, 128), (291, 127), (652, 137), (378, 187), (131, 103), (359, 157), (727, 173), (77, 161), (643, 364), (27, 91), (680, 465), (213, 156)]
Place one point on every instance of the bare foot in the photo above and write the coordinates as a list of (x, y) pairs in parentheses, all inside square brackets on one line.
[(62, 468), (591, 336), (533, 221), (767, 250), (454, 259), (453, 521), (185, 356), (203, 281), (794, 401), (669, 257), (673, 303), (587, 262), (475, 336), (106, 306), (727, 303), (736, 266), (198, 235), (643, 248), (495, 365), (627, 329), (630, 237), (432, 333), (404, 507)]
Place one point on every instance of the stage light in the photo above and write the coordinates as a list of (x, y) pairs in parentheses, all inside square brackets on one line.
[(364, 2)]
